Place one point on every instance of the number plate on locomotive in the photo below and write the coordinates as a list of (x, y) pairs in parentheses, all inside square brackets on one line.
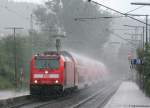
[(45, 75)]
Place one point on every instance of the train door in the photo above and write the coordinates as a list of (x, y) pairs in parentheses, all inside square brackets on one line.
[(69, 74)]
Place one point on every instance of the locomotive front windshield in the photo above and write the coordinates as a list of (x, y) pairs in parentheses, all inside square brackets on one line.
[(47, 63)]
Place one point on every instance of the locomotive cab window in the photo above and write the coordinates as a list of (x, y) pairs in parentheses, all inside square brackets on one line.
[(47, 63), (54, 64)]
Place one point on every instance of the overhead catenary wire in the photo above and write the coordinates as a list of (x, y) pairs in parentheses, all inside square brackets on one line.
[(122, 29), (15, 54), (105, 17), (118, 12), (14, 12), (27, 18), (117, 35), (17, 13), (134, 9)]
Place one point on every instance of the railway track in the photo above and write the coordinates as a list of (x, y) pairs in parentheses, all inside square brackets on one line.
[(101, 96), (28, 100), (37, 102), (78, 99), (11, 102), (21, 104)]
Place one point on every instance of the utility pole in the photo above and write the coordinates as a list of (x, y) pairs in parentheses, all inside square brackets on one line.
[(145, 53), (31, 22), (146, 25), (128, 15), (31, 33), (146, 29), (142, 35), (15, 54), (144, 4), (143, 38), (142, 46)]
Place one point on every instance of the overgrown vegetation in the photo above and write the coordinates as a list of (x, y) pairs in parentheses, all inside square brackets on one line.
[(60, 16), (54, 18), (7, 59), (144, 70), (23, 53)]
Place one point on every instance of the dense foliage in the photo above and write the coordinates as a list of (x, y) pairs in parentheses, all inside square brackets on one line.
[(84, 36), (23, 53), (144, 70), (8, 53)]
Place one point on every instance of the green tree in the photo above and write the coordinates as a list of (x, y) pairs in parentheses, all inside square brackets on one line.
[(59, 15)]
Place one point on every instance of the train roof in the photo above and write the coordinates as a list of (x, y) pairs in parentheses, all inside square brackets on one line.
[(66, 55), (63, 53)]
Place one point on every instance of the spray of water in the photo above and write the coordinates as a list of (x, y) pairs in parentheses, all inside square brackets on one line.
[(92, 67)]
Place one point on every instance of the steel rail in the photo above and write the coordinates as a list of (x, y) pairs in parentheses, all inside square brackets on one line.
[(105, 98)]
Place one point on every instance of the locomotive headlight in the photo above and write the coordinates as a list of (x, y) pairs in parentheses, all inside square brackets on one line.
[(56, 81), (46, 72), (35, 81)]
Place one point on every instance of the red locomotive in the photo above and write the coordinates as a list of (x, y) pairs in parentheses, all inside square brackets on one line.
[(53, 73)]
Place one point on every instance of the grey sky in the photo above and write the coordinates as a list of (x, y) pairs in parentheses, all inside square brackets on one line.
[(121, 5), (125, 6), (30, 1)]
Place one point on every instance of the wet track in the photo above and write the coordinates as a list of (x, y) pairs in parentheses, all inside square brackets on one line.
[(95, 96)]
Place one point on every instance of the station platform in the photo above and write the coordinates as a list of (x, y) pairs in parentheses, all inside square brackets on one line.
[(12, 94), (129, 96)]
